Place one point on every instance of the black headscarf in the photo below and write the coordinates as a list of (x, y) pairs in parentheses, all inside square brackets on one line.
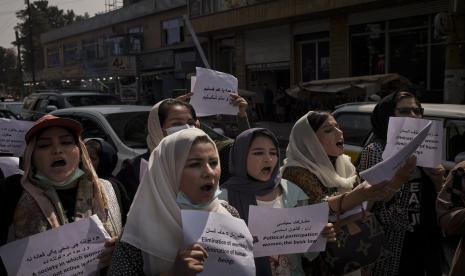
[(380, 117), (242, 189), (108, 158)]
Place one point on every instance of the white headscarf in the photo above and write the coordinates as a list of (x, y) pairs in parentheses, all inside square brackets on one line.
[(305, 150), (154, 222), (155, 131)]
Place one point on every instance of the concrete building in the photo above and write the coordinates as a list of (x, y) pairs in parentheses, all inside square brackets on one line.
[(140, 52), (285, 42)]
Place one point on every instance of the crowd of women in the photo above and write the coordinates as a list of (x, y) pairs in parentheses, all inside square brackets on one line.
[(66, 178)]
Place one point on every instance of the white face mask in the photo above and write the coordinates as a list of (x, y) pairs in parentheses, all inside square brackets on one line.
[(175, 129)]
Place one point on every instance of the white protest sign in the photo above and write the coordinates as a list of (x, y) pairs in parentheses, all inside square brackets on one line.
[(211, 92), (386, 169), (401, 130), (71, 249), (226, 239), (12, 136), (279, 231), (192, 83), (10, 165)]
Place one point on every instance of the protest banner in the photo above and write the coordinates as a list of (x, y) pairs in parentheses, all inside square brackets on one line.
[(386, 169), (226, 239), (278, 231), (211, 93), (401, 130), (71, 249), (12, 134)]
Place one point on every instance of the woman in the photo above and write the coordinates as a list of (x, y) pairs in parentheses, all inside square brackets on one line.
[(451, 214), (104, 159), (183, 173), (165, 118), (255, 180), (316, 163), (60, 185), (409, 215)]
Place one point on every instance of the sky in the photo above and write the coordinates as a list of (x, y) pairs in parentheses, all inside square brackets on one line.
[(8, 10)]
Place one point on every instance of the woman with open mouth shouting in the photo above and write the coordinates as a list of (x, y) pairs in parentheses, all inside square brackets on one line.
[(60, 185), (316, 163), (255, 180), (183, 173)]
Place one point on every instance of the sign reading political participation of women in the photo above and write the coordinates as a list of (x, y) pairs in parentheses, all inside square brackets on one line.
[(212, 92), (71, 249), (12, 136), (226, 239), (278, 231), (402, 130), (386, 169)]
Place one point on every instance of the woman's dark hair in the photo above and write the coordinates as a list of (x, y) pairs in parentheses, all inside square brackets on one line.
[(316, 119), (166, 105), (405, 95)]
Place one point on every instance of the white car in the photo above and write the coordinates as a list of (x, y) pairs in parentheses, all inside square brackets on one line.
[(354, 119)]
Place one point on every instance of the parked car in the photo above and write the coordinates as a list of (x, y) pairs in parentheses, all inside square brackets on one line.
[(123, 126), (354, 119), (7, 114), (40, 103), (14, 107)]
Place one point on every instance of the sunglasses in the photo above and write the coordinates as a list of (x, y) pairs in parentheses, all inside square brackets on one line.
[(409, 110)]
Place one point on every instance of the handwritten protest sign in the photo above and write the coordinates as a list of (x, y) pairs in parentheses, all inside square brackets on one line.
[(278, 231), (9, 165), (211, 92), (386, 169), (403, 129), (12, 136), (226, 239), (71, 249)]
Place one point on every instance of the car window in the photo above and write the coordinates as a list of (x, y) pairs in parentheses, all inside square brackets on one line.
[(91, 129), (131, 127), (28, 102), (41, 105), (356, 127), (86, 100), (455, 138), (53, 100)]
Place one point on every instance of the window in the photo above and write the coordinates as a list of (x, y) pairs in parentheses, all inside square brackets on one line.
[(53, 57), (455, 137), (225, 55), (90, 49), (41, 105), (70, 54), (315, 60), (131, 127), (172, 31), (355, 126), (136, 36)]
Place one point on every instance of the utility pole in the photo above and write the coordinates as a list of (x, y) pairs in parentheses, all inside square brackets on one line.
[(31, 43), (20, 67), (454, 79), (196, 41)]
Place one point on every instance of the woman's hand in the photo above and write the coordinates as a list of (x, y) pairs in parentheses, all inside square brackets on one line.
[(240, 102), (105, 256), (436, 175), (189, 261), (329, 232)]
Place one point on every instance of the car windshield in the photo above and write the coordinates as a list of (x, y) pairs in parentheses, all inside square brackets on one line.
[(14, 107), (85, 100), (131, 127)]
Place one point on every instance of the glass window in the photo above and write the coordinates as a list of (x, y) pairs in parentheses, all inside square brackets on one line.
[(455, 137), (70, 54), (53, 57), (172, 31), (368, 54), (90, 49), (85, 100), (136, 35), (308, 62), (438, 63), (131, 127), (41, 105), (355, 127)]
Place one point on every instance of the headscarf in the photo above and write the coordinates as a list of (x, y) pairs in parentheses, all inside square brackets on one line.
[(108, 158), (154, 222), (154, 127), (242, 189), (305, 150), (380, 117)]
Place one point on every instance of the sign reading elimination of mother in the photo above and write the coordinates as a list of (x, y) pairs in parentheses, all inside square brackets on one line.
[(279, 231), (71, 249), (226, 239), (212, 91)]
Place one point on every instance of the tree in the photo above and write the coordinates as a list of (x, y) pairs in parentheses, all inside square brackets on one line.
[(9, 78), (44, 19)]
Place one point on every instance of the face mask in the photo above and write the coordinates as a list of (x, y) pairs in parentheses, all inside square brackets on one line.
[(182, 199), (67, 184), (175, 129)]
